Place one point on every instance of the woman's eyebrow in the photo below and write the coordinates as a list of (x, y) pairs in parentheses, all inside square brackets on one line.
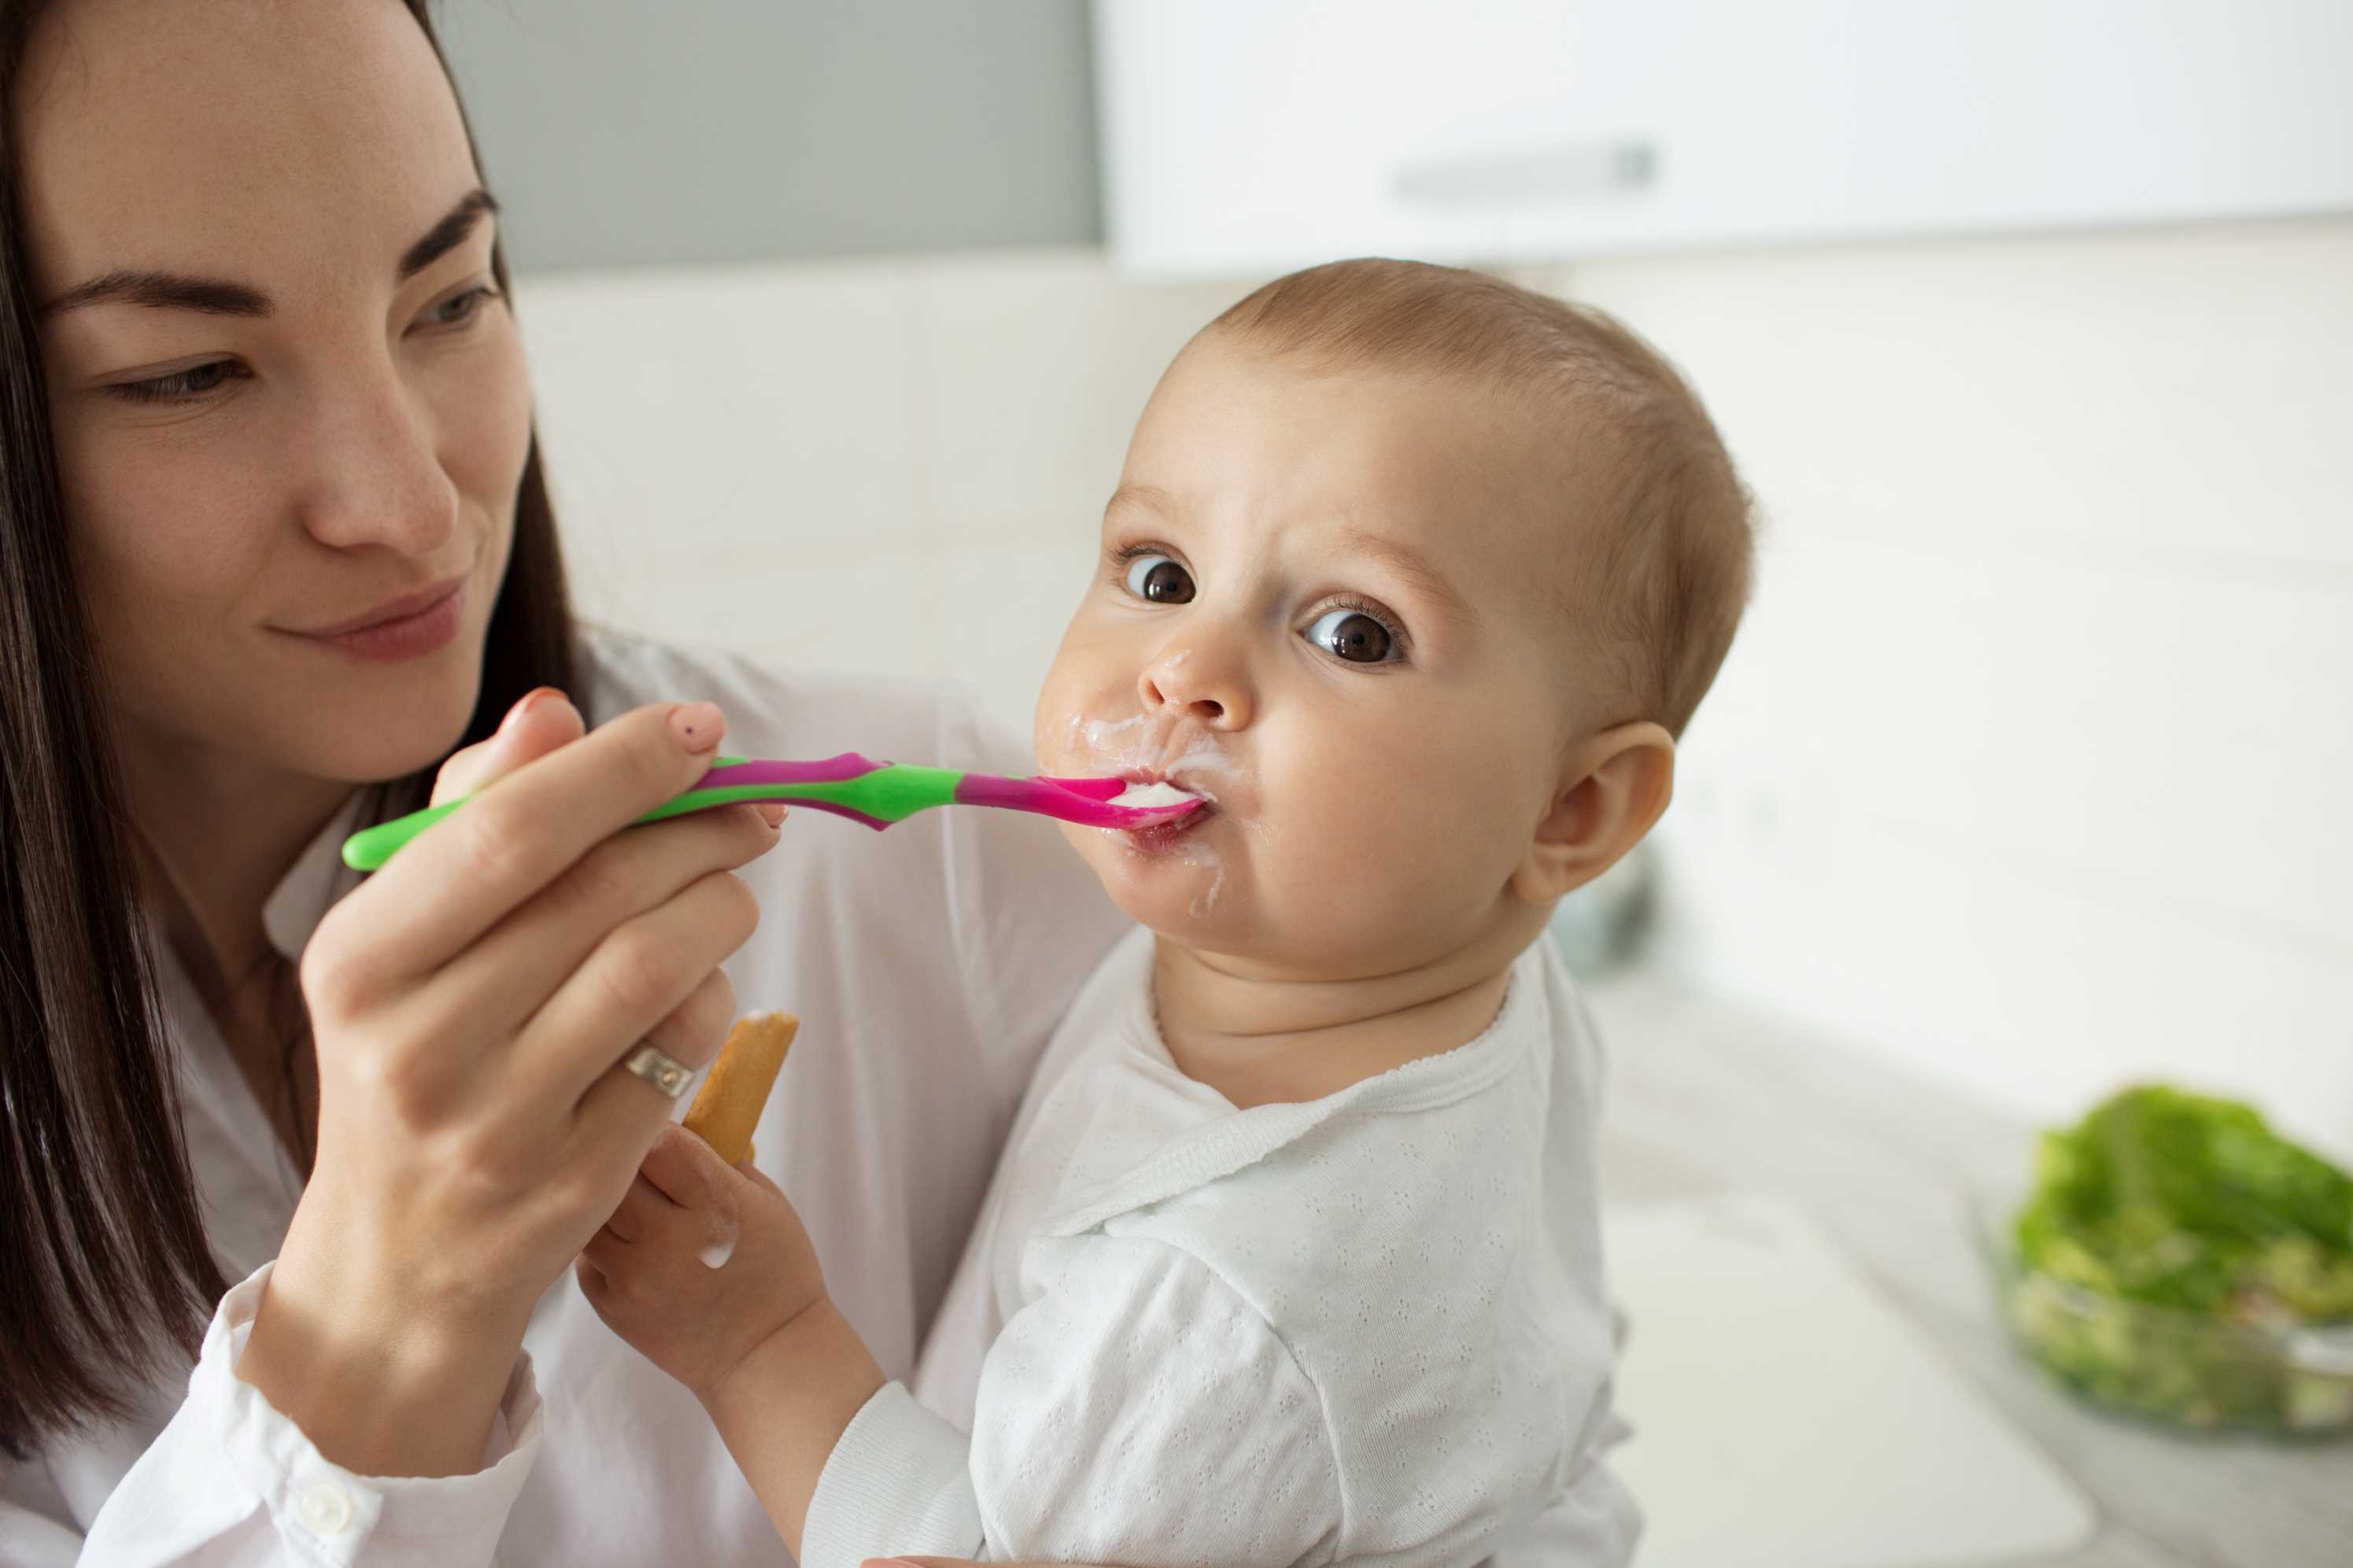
[(449, 234), (222, 297)]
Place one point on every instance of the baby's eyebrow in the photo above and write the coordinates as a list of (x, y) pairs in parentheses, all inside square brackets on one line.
[(1151, 498), (1407, 564)]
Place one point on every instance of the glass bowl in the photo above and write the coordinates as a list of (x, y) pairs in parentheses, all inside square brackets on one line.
[(2161, 1364)]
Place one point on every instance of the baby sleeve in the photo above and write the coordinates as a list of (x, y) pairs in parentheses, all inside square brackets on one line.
[(1138, 1412)]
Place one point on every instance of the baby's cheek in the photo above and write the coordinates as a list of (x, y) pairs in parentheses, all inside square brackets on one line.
[(1345, 852), (1417, 853)]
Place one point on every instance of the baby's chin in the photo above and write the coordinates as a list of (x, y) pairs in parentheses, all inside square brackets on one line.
[(1184, 885)]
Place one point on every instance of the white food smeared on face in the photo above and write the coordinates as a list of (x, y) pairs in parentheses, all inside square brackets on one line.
[(1120, 745), (1099, 732), (1200, 906), (1203, 758)]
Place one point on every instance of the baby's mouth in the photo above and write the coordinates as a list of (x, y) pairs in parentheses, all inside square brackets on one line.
[(1147, 787)]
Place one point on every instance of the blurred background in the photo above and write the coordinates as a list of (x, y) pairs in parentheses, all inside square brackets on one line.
[(2031, 325)]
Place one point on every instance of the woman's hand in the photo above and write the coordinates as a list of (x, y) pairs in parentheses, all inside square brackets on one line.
[(470, 1005)]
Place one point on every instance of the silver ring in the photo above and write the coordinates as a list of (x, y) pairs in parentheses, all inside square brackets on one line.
[(665, 1073)]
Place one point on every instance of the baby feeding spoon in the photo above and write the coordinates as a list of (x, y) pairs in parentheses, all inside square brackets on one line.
[(859, 788)]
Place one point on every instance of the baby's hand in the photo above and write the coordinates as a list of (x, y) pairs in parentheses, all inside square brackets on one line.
[(700, 1263)]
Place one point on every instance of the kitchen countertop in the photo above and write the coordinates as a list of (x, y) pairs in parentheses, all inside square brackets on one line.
[(1706, 1095)]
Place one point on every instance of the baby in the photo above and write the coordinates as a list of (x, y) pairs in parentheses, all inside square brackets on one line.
[(1412, 577)]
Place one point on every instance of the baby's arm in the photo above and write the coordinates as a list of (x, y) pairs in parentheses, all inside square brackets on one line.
[(1139, 1413), (706, 1270)]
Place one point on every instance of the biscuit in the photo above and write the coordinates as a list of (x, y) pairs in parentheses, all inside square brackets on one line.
[(728, 1105)]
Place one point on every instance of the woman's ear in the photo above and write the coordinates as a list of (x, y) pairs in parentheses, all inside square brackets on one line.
[(1611, 793)]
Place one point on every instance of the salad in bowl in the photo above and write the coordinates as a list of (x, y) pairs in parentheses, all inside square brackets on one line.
[(2176, 1258)]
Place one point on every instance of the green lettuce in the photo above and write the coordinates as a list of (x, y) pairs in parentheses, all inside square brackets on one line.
[(2185, 1201), (2166, 1199)]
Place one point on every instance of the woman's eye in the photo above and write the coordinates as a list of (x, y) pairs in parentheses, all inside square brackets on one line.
[(1159, 579), (458, 308), (180, 385), (1351, 635)]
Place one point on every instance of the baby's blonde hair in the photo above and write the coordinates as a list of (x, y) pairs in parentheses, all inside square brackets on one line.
[(1665, 576)]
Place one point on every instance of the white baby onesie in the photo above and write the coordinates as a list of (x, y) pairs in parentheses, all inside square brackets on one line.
[(1369, 1328)]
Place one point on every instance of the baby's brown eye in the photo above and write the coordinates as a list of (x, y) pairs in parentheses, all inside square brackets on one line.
[(1159, 579), (1353, 636)]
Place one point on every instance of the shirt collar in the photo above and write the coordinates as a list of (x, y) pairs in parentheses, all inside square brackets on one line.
[(1219, 1148), (313, 884)]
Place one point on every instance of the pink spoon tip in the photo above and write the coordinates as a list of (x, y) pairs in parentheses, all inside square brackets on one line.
[(1086, 802), (1135, 816), (1094, 789)]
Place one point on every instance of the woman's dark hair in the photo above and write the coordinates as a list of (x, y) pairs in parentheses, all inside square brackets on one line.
[(105, 1273)]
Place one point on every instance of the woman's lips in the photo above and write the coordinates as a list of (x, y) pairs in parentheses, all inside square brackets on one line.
[(403, 628)]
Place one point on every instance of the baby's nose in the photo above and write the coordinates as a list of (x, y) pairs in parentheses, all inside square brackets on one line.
[(1202, 688)]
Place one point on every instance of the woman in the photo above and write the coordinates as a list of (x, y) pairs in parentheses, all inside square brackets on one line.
[(276, 542)]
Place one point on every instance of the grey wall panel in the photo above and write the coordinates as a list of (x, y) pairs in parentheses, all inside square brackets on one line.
[(629, 132)]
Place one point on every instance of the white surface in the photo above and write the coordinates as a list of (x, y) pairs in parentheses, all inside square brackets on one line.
[(2057, 541), (1709, 1096), (1249, 134), (1785, 1416)]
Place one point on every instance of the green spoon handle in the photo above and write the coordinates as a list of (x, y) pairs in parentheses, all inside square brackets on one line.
[(880, 796)]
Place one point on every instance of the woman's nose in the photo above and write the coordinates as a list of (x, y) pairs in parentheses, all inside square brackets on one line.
[(376, 473), (1201, 682)]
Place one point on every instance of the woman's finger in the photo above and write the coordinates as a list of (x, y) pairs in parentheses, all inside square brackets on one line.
[(504, 978), (540, 722), (466, 873), (633, 981), (706, 1014)]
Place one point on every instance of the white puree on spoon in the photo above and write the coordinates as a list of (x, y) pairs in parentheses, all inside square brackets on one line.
[(1146, 796)]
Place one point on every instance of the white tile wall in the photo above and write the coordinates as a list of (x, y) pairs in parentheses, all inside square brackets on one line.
[(891, 466), (2029, 767)]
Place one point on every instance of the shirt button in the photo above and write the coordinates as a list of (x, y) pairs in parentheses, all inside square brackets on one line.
[(324, 1506)]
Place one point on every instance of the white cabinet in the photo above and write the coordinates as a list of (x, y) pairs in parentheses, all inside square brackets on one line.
[(1246, 135)]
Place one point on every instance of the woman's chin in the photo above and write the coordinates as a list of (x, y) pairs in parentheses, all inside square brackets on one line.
[(397, 744)]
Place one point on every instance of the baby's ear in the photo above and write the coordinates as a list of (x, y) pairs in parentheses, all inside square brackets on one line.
[(1611, 793)]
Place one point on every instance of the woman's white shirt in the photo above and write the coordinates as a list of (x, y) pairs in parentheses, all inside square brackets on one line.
[(929, 966)]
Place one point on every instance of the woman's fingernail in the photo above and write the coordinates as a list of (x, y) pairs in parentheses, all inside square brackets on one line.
[(525, 704), (771, 812), (697, 725)]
